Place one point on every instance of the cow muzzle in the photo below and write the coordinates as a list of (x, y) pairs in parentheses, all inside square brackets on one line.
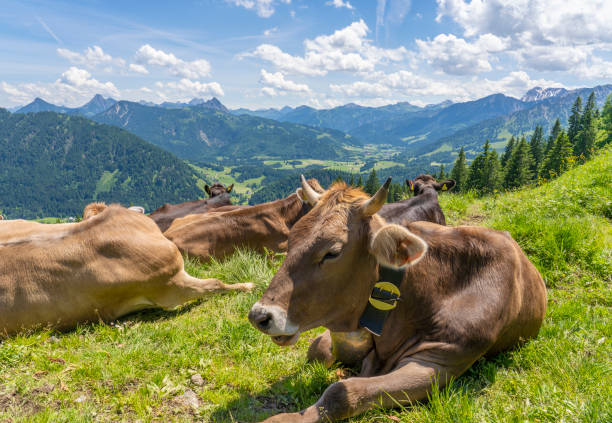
[(273, 321)]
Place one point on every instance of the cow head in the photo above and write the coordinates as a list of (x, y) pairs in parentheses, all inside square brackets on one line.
[(93, 209), (422, 182), (217, 189), (331, 264)]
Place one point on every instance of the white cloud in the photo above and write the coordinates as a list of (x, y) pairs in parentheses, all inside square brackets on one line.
[(188, 88), (138, 69), (457, 56), (270, 31), (192, 70), (278, 82), (73, 88), (91, 57), (81, 79), (264, 8), (269, 91), (339, 4), (544, 35), (346, 49)]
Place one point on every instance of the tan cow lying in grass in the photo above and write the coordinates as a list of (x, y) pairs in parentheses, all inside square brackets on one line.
[(260, 227), (114, 262), (465, 292)]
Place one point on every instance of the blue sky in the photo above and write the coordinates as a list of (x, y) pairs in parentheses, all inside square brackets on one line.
[(271, 53)]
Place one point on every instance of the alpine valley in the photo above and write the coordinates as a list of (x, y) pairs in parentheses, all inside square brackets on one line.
[(148, 154)]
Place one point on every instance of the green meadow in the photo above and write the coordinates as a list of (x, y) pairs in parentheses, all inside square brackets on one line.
[(204, 361)]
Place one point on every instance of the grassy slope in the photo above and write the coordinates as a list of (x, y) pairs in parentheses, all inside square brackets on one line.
[(136, 369)]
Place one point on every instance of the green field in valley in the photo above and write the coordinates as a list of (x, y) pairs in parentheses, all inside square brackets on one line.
[(142, 367)]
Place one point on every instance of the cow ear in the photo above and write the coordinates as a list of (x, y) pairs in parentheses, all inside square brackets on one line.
[(207, 189), (410, 184), (446, 185), (230, 188), (396, 246)]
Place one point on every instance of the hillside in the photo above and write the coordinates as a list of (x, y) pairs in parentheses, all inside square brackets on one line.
[(140, 366), (199, 133), (54, 164), (94, 106)]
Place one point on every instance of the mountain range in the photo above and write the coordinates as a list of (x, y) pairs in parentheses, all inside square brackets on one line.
[(53, 164)]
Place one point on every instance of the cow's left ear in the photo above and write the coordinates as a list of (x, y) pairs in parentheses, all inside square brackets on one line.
[(230, 188), (207, 189), (410, 184), (396, 246), (446, 185)]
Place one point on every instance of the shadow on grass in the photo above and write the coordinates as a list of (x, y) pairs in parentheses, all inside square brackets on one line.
[(295, 392)]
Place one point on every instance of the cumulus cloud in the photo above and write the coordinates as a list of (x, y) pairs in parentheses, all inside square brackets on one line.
[(339, 4), (191, 70), (138, 69), (91, 57), (264, 8), (544, 35), (346, 49), (278, 82), (188, 88), (457, 56), (73, 88)]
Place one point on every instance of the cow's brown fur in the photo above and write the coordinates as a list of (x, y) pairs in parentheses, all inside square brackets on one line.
[(260, 227), (166, 214), (467, 292), (108, 265)]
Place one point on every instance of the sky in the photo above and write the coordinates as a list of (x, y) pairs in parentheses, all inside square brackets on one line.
[(322, 53)]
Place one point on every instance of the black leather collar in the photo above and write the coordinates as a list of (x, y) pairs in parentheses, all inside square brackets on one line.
[(384, 298)]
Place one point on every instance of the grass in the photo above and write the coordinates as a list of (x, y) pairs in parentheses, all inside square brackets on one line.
[(139, 367)]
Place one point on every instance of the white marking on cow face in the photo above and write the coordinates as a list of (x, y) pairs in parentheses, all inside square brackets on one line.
[(272, 320)]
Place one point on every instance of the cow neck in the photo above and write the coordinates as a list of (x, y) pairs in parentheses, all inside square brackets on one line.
[(293, 209), (383, 299)]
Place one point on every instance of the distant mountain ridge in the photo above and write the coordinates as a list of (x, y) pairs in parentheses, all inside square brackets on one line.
[(539, 93), (94, 106), (201, 132)]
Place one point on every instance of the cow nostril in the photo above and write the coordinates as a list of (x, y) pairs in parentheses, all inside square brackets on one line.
[(261, 319)]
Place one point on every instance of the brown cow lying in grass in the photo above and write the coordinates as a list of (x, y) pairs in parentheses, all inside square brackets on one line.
[(114, 262), (465, 292), (260, 227), (423, 206), (218, 197)]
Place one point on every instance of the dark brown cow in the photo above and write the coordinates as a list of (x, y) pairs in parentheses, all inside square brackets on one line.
[(466, 292), (260, 227), (423, 206), (218, 197)]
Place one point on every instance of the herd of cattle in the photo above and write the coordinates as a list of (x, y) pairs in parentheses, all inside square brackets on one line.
[(462, 292)]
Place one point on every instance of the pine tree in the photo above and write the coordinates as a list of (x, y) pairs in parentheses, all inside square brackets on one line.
[(360, 182), (442, 175), (492, 173), (508, 152), (574, 121), (352, 180), (460, 171), (554, 133), (519, 166), (536, 148), (476, 176), (606, 121), (584, 143), (558, 158), (372, 184)]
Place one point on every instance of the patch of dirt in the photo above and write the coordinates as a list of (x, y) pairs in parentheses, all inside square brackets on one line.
[(19, 404)]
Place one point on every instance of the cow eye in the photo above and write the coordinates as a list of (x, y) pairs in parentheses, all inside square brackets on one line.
[(330, 256)]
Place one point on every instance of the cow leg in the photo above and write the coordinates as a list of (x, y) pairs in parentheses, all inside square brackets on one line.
[(183, 288), (346, 398), (320, 349)]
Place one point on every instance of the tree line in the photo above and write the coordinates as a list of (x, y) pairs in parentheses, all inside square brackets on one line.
[(541, 158)]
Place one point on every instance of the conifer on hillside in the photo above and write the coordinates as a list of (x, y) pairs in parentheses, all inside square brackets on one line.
[(519, 166), (559, 157), (441, 175), (575, 120), (584, 142), (460, 171), (606, 121), (475, 177), (508, 152), (554, 133), (372, 184), (536, 148)]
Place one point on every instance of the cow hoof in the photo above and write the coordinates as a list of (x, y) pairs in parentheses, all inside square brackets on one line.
[(248, 286)]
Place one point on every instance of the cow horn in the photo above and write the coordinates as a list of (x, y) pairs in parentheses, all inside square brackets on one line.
[(374, 204), (311, 195)]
